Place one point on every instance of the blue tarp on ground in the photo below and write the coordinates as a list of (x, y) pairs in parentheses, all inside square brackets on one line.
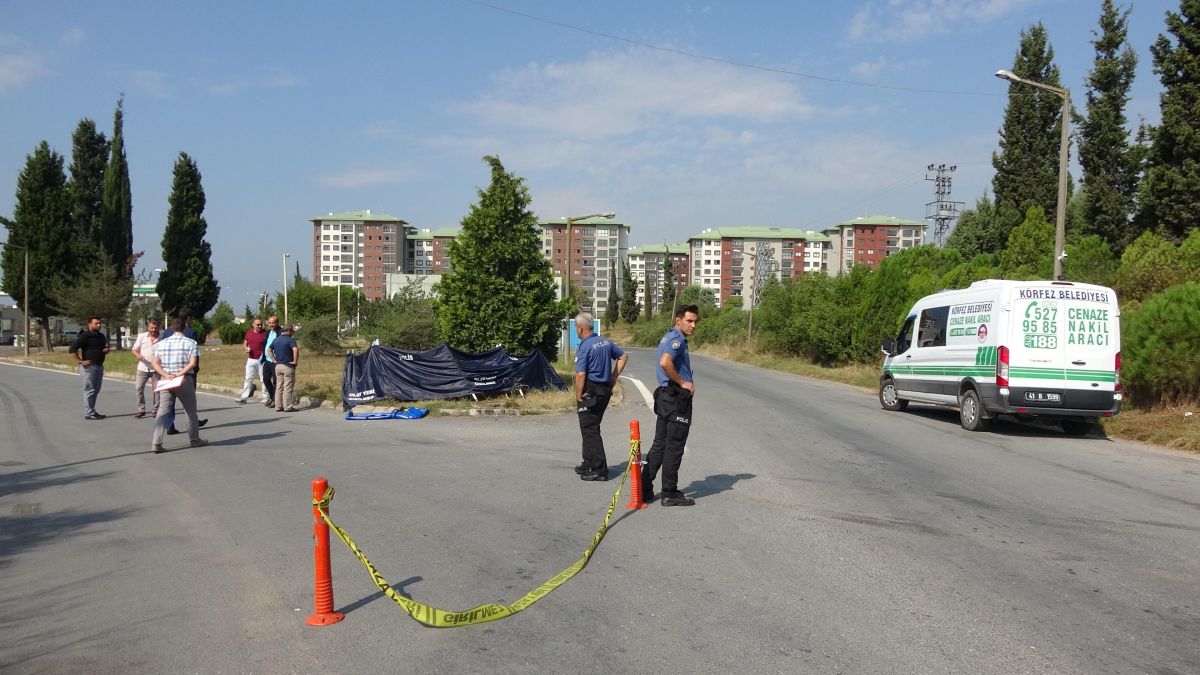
[(441, 372)]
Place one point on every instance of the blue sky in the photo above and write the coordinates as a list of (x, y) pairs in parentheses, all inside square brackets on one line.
[(296, 110)]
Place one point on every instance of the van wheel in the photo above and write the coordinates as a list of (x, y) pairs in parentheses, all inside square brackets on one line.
[(1078, 427), (970, 412), (888, 398)]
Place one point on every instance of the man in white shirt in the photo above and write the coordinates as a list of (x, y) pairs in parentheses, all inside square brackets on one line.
[(143, 351)]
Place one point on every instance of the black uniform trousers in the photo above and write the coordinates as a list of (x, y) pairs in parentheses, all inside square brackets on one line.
[(591, 413), (673, 409), (268, 379)]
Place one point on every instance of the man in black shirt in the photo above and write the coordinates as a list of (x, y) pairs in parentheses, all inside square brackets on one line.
[(89, 350)]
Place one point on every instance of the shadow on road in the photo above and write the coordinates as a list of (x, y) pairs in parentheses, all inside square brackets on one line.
[(721, 482), (398, 587), (29, 527), (1004, 426)]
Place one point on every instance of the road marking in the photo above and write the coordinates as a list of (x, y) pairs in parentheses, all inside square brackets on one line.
[(646, 395)]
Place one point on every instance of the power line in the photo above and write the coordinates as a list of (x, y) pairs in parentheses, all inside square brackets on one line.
[(738, 64)]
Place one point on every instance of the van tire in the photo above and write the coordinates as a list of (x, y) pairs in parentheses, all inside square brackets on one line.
[(1078, 427), (970, 412), (889, 399)]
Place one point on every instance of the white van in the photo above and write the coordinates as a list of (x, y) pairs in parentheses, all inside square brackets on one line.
[(1030, 349)]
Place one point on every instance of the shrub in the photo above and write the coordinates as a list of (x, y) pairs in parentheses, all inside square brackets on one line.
[(232, 333), (319, 334), (1161, 347)]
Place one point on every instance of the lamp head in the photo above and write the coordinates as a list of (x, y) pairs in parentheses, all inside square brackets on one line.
[(1005, 75), (608, 214)]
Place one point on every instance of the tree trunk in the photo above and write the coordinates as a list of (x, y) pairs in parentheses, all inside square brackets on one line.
[(44, 329)]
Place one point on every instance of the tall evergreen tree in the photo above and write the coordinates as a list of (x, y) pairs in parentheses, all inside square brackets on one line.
[(668, 283), (116, 222), (612, 309), (501, 289), (972, 232), (1110, 164), (188, 278), (630, 307), (1027, 164), (89, 158), (1170, 191), (41, 224)]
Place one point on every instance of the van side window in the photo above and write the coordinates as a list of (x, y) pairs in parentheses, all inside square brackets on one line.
[(904, 340), (933, 327)]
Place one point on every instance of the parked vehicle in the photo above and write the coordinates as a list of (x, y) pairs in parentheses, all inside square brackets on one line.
[(1029, 349)]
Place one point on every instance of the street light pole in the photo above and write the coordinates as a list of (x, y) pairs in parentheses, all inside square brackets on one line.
[(1060, 216), (571, 220), (285, 301)]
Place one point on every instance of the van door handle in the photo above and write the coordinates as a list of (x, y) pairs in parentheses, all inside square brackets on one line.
[(908, 356), (1079, 363)]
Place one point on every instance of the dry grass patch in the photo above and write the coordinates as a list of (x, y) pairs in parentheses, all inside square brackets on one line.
[(1169, 426)]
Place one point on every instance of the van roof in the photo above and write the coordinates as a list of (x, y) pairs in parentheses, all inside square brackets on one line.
[(1011, 283)]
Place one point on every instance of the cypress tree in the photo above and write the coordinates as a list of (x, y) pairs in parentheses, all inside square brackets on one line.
[(1170, 191), (1110, 165), (629, 304), (1027, 164), (188, 279), (501, 287), (89, 158), (42, 224), (612, 310), (116, 222), (668, 282)]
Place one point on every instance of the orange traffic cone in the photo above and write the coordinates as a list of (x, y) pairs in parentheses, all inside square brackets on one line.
[(323, 614), (635, 466)]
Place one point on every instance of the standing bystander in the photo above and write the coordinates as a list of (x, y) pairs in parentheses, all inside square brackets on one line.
[(89, 349), (255, 343), (143, 351), (185, 317), (268, 364), (287, 357), (177, 356), (594, 381), (673, 408)]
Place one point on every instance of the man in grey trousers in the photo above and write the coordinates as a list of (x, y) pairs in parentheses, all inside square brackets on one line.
[(89, 349)]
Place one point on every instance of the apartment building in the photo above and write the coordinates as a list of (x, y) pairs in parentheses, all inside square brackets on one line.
[(428, 250), (357, 249), (869, 239), (733, 261), (597, 246), (646, 265)]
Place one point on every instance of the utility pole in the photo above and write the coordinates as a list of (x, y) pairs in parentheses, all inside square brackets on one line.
[(941, 210)]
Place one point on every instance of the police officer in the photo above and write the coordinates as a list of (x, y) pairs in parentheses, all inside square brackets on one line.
[(594, 380), (673, 408)]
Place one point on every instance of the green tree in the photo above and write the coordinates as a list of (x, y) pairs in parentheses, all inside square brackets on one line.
[(95, 290), (222, 316), (612, 309), (704, 298), (974, 229), (501, 289), (188, 279), (407, 320), (1027, 164), (1090, 260), (1170, 191), (1161, 348), (89, 158), (1030, 250), (248, 314), (668, 283), (116, 214), (1149, 265), (1110, 164), (630, 307), (41, 224)]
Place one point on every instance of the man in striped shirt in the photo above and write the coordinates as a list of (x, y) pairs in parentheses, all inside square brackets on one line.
[(175, 356)]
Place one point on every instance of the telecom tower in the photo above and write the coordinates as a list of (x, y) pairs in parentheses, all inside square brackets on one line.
[(941, 211)]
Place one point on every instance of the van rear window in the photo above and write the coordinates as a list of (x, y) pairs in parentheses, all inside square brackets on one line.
[(932, 331)]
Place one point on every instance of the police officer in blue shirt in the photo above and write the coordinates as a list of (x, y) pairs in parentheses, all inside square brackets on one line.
[(594, 380), (673, 408)]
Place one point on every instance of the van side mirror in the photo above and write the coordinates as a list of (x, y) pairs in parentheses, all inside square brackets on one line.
[(889, 346)]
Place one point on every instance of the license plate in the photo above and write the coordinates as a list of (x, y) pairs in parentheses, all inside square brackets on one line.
[(1043, 397)]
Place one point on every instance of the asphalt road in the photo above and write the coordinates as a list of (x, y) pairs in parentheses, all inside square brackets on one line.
[(828, 536)]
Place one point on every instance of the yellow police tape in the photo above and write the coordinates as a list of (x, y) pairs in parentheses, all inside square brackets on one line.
[(440, 618)]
